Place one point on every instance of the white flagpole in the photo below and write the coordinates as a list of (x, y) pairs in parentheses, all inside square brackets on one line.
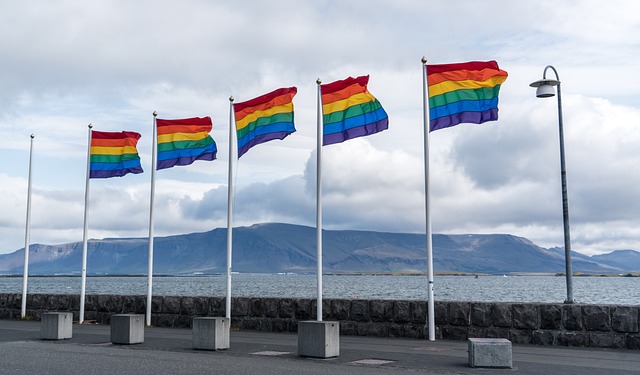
[(319, 204), (154, 162), (426, 128), (230, 210), (84, 233), (25, 274)]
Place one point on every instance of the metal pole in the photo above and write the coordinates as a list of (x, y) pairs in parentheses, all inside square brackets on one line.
[(565, 200), (427, 200), (154, 163), (319, 204), (25, 275), (230, 211), (83, 282)]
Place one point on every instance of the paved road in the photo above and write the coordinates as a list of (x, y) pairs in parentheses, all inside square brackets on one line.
[(168, 351)]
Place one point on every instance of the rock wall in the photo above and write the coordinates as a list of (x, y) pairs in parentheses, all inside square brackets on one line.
[(605, 326)]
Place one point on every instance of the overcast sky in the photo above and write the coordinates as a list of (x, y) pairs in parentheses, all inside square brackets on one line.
[(66, 64)]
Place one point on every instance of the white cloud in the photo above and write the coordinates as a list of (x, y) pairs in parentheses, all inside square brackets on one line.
[(112, 63)]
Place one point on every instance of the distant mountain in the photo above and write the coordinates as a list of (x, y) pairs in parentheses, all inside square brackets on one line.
[(583, 263), (624, 259), (292, 248)]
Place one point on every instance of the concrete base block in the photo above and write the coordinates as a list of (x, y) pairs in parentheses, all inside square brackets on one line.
[(318, 339), (490, 353), (210, 333), (56, 325), (127, 329)]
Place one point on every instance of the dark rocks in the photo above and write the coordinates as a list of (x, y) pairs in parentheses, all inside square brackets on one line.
[(604, 326), (460, 313), (596, 318), (287, 308), (481, 314), (360, 311), (401, 311), (340, 309), (256, 307), (550, 317), (525, 316), (382, 311), (501, 315), (171, 305), (607, 340), (418, 312), (572, 339), (303, 309), (624, 319), (543, 337), (572, 317), (271, 307)]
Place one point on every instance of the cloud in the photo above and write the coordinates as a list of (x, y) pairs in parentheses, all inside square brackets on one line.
[(355, 178), (516, 167), (483, 179), (112, 63)]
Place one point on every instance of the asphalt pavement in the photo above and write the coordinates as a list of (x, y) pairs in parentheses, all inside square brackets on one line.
[(169, 351)]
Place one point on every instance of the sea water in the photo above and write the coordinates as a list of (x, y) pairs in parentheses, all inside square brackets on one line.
[(552, 289)]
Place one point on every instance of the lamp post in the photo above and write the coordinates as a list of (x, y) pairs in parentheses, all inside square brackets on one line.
[(545, 90)]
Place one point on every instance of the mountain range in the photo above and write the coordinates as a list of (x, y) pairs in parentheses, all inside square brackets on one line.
[(275, 247)]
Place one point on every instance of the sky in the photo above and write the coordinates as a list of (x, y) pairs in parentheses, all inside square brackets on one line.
[(67, 64)]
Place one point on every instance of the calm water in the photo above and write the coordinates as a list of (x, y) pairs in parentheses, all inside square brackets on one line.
[(613, 290)]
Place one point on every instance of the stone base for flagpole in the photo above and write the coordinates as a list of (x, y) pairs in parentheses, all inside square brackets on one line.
[(490, 352), (318, 339), (127, 329), (210, 333), (56, 325)]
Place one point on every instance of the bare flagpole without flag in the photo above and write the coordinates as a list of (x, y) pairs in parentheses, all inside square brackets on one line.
[(83, 282), (230, 211), (319, 205), (427, 200), (154, 162), (25, 275)]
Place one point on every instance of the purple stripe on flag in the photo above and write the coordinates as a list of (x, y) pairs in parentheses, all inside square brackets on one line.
[(471, 117), (114, 173), (359, 131), (163, 164), (261, 139)]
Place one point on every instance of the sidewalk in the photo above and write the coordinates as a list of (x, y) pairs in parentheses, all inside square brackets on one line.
[(169, 351)]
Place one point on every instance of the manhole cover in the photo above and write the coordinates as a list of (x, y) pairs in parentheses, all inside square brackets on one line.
[(429, 349), (102, 344), (371, 362), (271, 353)]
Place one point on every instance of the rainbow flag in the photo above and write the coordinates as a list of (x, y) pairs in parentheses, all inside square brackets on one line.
[(113, 154), (463, 92), (181, 142), (264, 118), (350, 111)]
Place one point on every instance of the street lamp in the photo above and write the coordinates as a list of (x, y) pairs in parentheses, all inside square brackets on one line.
[(545, 90)]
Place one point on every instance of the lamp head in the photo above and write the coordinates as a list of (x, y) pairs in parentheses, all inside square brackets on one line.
[(545, 91), (545, 87)]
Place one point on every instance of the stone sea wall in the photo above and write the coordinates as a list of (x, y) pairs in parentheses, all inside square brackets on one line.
[(605, 326)]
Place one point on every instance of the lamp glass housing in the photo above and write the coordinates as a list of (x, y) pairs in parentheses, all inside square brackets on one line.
[(545, 91)]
